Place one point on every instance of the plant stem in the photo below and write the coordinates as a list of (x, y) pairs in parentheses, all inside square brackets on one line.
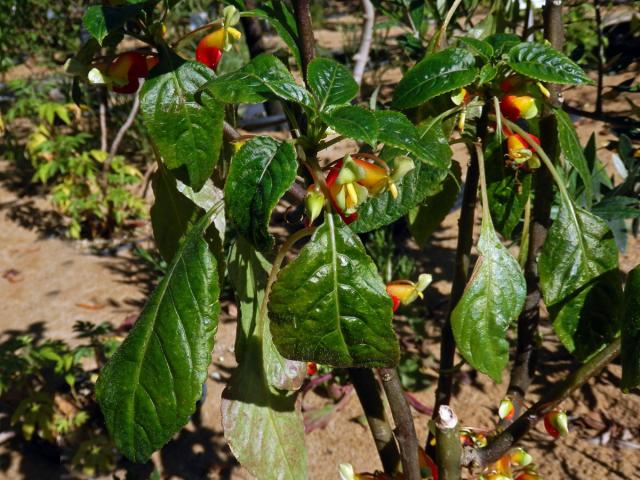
[(449, 452), (364, 381), (597, 6), (306, 42), (442, 39), (503, 442), (405, 429), (362, 57), (461, 274)]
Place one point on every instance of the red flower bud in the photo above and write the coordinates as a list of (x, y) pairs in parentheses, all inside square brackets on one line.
[(556, 423), (312, 368), (514, 107), (126, 70), (209, 56), (521, 153), (506, 410)]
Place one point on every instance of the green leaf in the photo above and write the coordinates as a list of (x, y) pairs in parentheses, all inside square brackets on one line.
[(589, 319), (353, 122), (481, 48), (149, 388), (262, 78), (172, 214), (573, 153), (99, 20), (282, 20), (487, 73), (631, 331), (187, 135), (330, 306), (542, 62), (491, 302), (502, 42), (260, 173), (617, 208), (395, 130), (330, 82), (579, 247), (263, 426), (413, 189), (426, 218), (436, 74)]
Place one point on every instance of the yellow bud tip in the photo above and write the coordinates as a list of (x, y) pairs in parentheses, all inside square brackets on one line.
[(393, 190), (543, 89), (351, 192)]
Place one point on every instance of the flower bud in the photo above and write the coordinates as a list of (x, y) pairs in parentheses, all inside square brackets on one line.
[(528, 476), (521, 153), (520, 457), (556, 423), (210, 48), (125, 72), (513, 107), (506, 410), (313, 202), (404, 291), (462, 96), (312, 368), (346, 472)]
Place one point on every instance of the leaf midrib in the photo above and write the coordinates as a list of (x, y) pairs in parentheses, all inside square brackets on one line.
[(336, 283)]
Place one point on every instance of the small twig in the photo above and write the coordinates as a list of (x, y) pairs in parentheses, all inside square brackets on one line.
[(364, 381), (306, 42), (362, 57), (229, 133), (614, 120), (442, 39), (503, 442), (405, 429), (449, 452), (103, 112), (596, 4), (118, 140)]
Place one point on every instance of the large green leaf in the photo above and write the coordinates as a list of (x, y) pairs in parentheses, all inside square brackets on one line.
[(631, 331), (99, 20), (188, 135), (264, 77), (491, 302), (617, 208), (426, 218), (330, 305), (263, 426), (573, 153), (354, 122), (589, 319), (578, 248), (149, 388), (395, 130), (261, 172), (542, 62), (481, 48), (436, 74), (330, 82), (413, 189), (172, 214)]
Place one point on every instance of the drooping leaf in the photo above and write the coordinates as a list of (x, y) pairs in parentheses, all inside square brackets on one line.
[(413, 189), (248, 271), (99, 20), (260, 173), (208, 196), (426, 218), (491, 302), (331, 82), (354, 122), (436, 74), (631, 331), (279, 15), (149, 388), (263, 426), (573, 153), (395, 130), (262, 78), (187, 135), (172, 214), (589, 319), (330, 306), (543, 62), (579, 247)]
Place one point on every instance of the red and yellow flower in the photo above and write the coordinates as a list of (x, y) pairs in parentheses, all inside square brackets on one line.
[(520, 151), (210, 48), (126, 70), (403, 292), (515, 107), (556, 423)]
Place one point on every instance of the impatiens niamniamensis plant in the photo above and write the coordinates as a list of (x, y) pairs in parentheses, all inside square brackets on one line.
[(215, 192)]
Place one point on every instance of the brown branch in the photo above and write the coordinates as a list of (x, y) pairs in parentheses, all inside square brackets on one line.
[(229, 133), (362, 57), (306, 42), (525, 359), (405, 429), (503, 442), (614, 120), (364, 381)]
